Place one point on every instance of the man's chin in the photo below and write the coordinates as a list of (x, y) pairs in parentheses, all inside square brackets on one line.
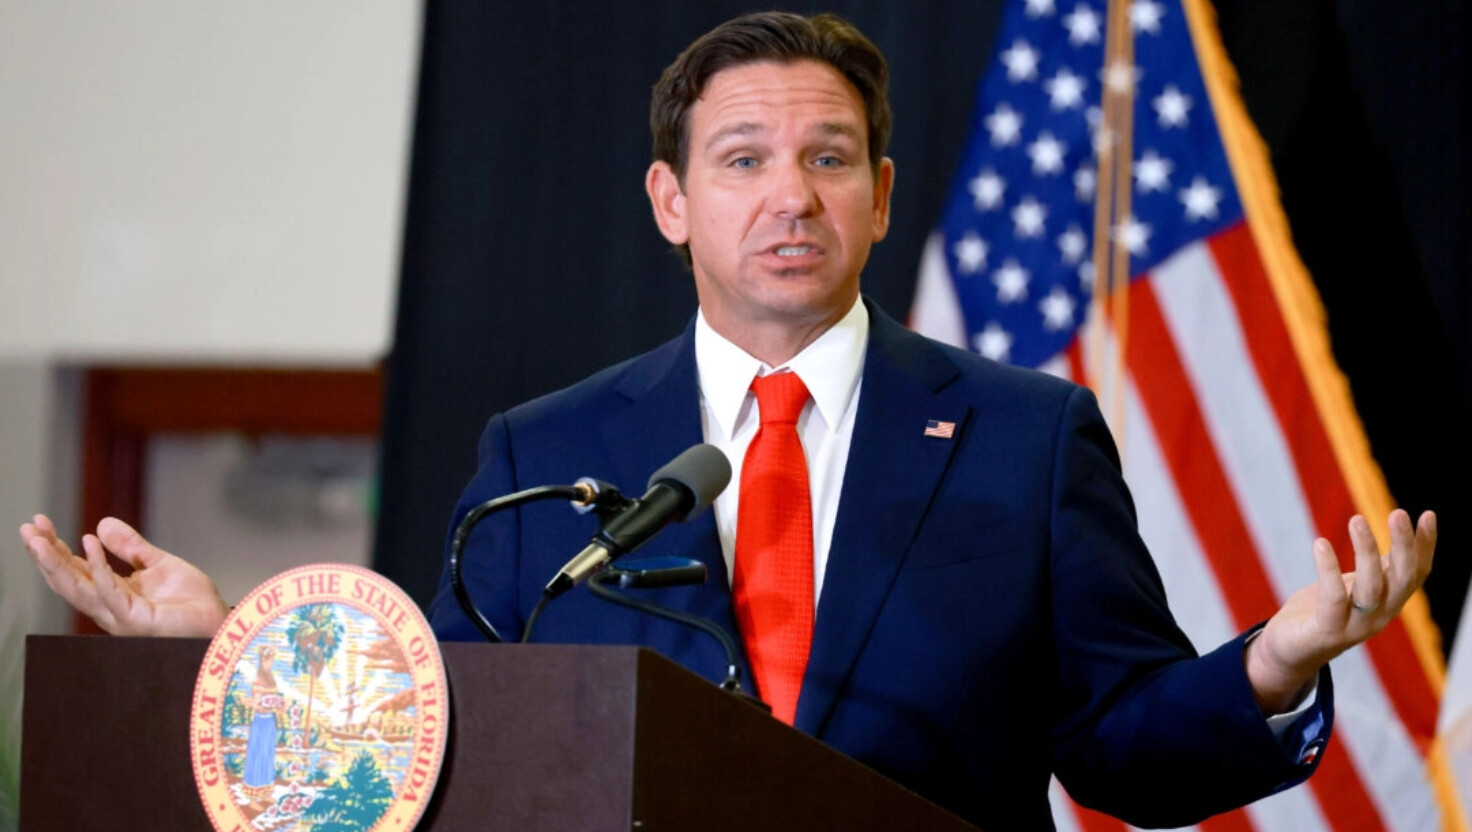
[(804, 307)]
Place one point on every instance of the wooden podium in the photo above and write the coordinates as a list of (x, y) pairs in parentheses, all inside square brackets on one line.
[(541, 738)]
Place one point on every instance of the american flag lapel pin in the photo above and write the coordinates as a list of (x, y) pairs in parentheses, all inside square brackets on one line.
[(939, 429)]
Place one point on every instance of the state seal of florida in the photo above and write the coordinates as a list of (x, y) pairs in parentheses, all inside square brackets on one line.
[(321, 706)]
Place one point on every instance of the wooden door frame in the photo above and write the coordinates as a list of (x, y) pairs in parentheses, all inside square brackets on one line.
[(124, 406)]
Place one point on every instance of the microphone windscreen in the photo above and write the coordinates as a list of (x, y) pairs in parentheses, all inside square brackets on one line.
[(702, 469)]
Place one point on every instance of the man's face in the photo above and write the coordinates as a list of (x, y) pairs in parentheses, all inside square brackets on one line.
[(779, 204)]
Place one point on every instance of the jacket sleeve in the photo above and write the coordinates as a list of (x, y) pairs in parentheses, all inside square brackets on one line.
[(1147, 731)]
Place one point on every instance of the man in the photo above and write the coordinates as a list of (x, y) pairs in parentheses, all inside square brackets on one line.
[(966, 608)]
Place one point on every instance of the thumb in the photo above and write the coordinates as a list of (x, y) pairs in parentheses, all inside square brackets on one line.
[(127, 544)]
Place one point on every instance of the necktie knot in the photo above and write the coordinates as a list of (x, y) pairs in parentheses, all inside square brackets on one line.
[(780, 397)]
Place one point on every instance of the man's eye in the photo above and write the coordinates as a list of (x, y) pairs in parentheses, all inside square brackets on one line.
[(829, 162), (744, 162)]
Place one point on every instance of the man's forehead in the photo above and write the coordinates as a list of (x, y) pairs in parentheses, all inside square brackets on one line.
[(746, 99)]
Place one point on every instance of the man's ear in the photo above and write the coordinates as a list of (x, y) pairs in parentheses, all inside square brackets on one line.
[(883, 186), (668, 201)]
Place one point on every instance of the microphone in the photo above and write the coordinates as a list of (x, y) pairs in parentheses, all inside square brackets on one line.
[(676, 492)]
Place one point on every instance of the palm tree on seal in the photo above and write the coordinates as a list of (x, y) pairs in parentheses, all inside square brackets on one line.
[(314, 635)]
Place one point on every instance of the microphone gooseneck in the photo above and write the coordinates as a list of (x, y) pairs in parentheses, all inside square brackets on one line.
[(585, 495), (665, 572), (676, 492)]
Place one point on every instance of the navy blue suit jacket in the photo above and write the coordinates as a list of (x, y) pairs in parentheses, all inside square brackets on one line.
[(989, 614)]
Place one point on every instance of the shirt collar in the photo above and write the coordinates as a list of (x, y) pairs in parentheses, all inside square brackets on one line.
[(829, 367)]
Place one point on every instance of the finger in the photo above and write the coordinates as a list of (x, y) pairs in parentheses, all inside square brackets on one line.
[(1333, 590), (46, 530), (104, 584), (112, 588), (1368, 592), (1425, 543), (56, 564), (63, 574), (44, 524), (1400, 561), (68, 577), (29, 533), (127, 544)]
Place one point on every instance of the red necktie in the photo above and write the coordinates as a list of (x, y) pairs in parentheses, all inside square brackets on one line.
[(773, 580)]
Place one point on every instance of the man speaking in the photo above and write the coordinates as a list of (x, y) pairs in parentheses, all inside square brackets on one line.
[(931, 559)]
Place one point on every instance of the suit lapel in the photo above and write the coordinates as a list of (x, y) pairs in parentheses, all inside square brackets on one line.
[(661, 420), (662, 417), (893, 470)]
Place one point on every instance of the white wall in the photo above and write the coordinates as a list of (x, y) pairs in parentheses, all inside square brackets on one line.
[(182, 182), (202, 181)]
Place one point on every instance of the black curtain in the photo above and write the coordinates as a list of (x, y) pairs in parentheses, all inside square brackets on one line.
[(530, 258)]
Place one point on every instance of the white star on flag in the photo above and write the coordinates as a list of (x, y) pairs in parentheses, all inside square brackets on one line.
[(1152, 172), (994, 342), (1039, 8), (1145, 16), (1057, 309), (1072, 244), (1086, 276), (1065, 90), (1011, 281), (1005, 125), (1084, 183), (1171, 107), (1134, 236), (970, 253), (987, 188), (1200, 199), (1021, 61), (1046, 154), (1028, 216), (1083, 25)]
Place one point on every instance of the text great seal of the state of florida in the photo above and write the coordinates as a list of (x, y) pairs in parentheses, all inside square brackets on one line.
[(321, 705)]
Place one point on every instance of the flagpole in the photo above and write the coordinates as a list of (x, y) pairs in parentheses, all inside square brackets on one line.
[(1114, 149)]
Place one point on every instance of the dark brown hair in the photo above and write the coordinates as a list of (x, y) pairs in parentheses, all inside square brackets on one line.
[(768, 36)]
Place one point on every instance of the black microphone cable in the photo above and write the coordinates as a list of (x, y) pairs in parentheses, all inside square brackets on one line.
[(585, 495)]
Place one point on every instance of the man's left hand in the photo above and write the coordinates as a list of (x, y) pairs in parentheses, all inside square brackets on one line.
[(1339, 611)]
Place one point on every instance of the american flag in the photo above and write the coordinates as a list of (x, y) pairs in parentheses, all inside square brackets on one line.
[(940, 430), (1211, 361)]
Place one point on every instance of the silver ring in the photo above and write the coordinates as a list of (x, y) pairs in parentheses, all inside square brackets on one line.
[(1358, 607)]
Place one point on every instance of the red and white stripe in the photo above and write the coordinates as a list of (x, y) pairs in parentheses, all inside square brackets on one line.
[(1234, 475)]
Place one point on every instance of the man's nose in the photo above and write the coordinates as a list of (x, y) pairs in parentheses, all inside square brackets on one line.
[(792, 193)]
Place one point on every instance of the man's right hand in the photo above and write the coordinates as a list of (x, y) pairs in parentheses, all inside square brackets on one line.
[(165, 595)]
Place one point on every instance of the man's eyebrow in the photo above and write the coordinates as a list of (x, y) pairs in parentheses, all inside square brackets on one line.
[(751, 128), (744, 128), (836, 128)]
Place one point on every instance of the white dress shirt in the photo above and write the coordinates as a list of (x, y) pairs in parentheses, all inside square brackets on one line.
[(831, 368)]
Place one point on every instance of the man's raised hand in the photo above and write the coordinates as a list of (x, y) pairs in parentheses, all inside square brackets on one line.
[(165, 595), (1339, 611)]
